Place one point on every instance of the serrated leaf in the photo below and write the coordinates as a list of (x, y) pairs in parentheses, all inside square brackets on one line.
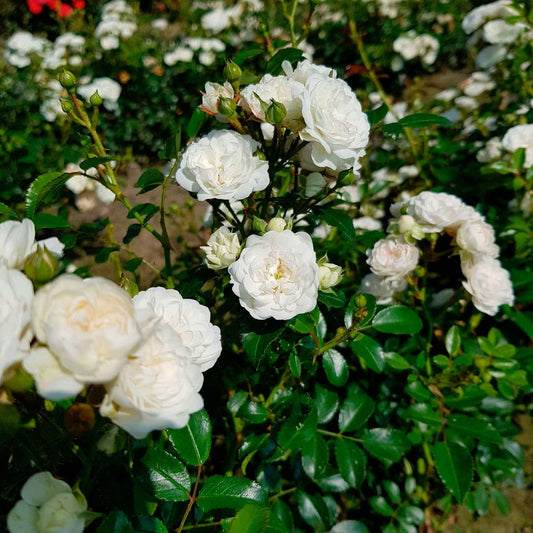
[(193, 442), (370, 351), (455, 467), (48, 221), (356, 410), (398, 320), (387, 445), (45, 186), (315, 456), (220, 492), (251, 518), (256, 345), (166, 476), (336, 368), (351, 461), (6, 211), (150, 179), (475, 427), (292, 55), (93, 162)]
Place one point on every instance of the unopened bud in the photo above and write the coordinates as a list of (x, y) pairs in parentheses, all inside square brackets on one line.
[(41, 266), (346, 177), (79, 419), (360, 300), (276, 224), (227, 108), (112, 441), (66, 106), (67, 80), (432, 237), (419, 271), (259, 225), (232, 72), (329, 275), (405, 223), (275, 113), (129, 286), (95, 99)]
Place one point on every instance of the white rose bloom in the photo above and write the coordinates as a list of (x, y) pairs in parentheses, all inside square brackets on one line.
[(52, 381), (48, 505), (488, 283), (181, 53), (108, 89), (281, 89), (207, 57), (103, 194), (88, 324), (15, 317), (515, 138), (222, 165), (213, 92), (477, 238), (382, 288), (392, 258), (491, 151), (189, 320), (412, 45), (276, 275), (367, 223), (478, 16), (329, 275), (335, 125), (109, 42), (156, 389), (491, 55), (499, 32), (436, 211), (305, 69), (17, 242)]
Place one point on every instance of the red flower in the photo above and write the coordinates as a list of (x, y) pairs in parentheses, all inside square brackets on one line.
[(64, 10), (35, 6)]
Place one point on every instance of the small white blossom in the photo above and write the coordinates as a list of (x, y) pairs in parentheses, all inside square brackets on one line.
[(393, 258), (520, 137), (222, 248)]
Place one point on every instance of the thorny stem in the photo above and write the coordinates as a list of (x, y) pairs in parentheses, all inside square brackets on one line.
[(192, 499)]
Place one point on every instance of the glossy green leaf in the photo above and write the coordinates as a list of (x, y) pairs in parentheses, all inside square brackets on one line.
[(48, 221), (149, 180), (393, 491), (422, 412), (411, 514), (313, 510), (387, 445), (349, 526), (166, 476), (193, 442), (340, 220), (336, 368), (475, 427), (220, 492), (416, 120), (197, 120), (255, 345), (305, 322), (398, 320), (253, 412), (7, 212), (94, 162), (281, 519), (44, 187), (295, 364), (133, 231), (315, 455), (380, 505), (115, 522), (356, 410), (292, 55), (297, 430), (455, 467), (396, 361), (452, 340), (351, 461), (377, 115), (370, 351), (501, 501), (326, 402), (251, 518)]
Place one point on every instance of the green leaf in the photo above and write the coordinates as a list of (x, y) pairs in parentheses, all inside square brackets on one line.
[(475, 427), (150, 524), (197, 120), (167, 476), (380, 505), (418, 391), (336, 368), (133, 231), (416, 120), (341, 220), (242, 56), (452, 340), (398, 320), (146, 210), (349, 526), (133, 264), (520, 319), (281, 519), (326, 402), (393, 491), (455, 467), (103, 255), (292, 55), (370, 352), (173, 145), (44, 187), (93, 162), (387, 445), (47, 221), (351, 461), (482, 500), (305, 322), (315, 456), (501, 501), (377, 115), (220, 492), (422, 412), (519, 158), (295, 364), (396, 361), (356, 410), (256, 345), (115, 522), (251, 518), (296, 431), (193, 442), (313, 510), (150, 179), (253, 412), (333, 299), (411, 515), (6, 210)]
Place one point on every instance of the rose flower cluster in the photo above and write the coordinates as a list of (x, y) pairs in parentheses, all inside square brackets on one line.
[(148, 352), (429, 215)]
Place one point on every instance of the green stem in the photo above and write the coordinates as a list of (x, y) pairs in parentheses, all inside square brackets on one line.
[(338, 435), (283, 493), (191, 501), (207, 524)]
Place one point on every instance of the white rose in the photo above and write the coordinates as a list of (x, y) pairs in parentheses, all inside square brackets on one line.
[(15, 317), (382, 288), (52, 381), (477, 238), (329, 275), (392, 258), (48, 505), (477, 17), (437, 211), (222, 248), (213, 93), (305, 69), (335, 125), (515, 138), (491, 55), (222, 166), (488, 283), (281, 89), (88, 324), (276, 275), (156, 389), (367, 223), (17, 240), (190, 321), (276, 224)]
